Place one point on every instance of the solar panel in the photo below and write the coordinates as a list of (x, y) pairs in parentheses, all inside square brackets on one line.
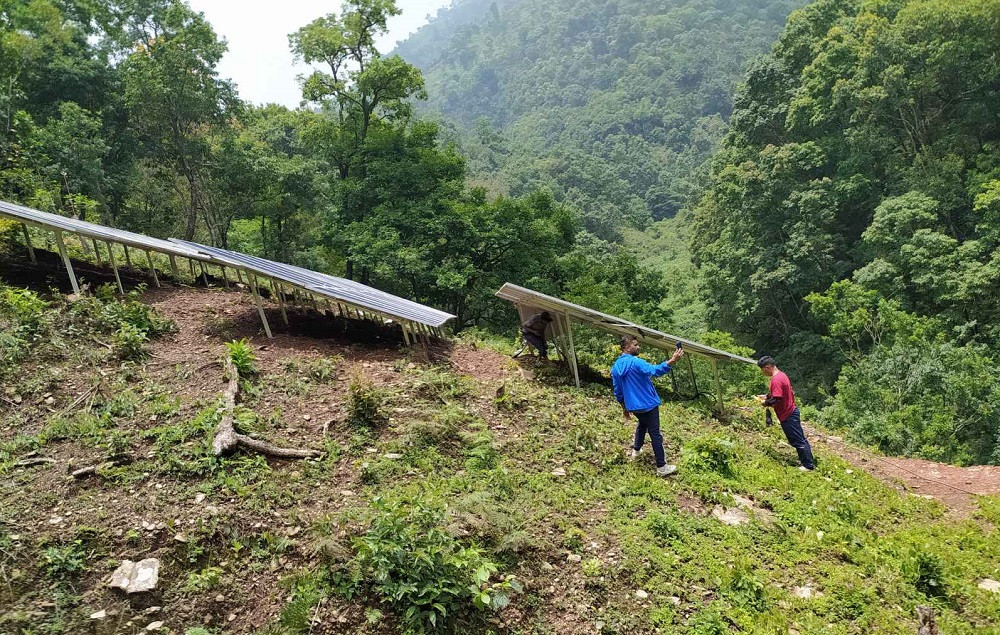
[(347, 291), (527, 297), (92, 230)]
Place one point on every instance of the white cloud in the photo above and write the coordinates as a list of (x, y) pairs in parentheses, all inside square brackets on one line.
[(259, 60)]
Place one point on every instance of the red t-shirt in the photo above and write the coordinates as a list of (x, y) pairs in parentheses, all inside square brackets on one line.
[(781, 389)]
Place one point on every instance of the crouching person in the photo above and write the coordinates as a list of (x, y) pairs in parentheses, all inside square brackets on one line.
[(632, 379)]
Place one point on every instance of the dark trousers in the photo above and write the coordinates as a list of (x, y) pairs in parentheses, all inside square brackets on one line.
[(538, 342), (792, 426), (649, 421)]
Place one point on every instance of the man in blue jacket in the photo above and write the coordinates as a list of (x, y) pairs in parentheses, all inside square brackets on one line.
[(633, 384)]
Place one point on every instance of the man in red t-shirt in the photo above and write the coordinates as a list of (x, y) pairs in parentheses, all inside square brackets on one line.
[(781, 397)]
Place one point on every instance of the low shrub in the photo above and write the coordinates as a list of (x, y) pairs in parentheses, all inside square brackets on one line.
[(411, 564)]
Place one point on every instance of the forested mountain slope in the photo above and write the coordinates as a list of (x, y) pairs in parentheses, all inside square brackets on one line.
[(854, 218), (615, 105)]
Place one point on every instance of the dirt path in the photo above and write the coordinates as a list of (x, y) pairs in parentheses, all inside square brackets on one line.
[(955, 487)]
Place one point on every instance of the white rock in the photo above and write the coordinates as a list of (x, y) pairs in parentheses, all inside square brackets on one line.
[(135, 577), (804, 592), (199, 497), (640, 594), (743, 502), (393, 456), (732, 516), (574, 557), (673, 599), (989, 585), (559, 472), (154, 626), (100, 615)]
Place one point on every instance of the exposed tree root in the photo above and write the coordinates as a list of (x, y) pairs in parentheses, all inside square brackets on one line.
[(227, 439)]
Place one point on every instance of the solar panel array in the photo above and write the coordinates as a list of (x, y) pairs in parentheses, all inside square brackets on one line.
[(527, 297), (347, 291), (92, 230)]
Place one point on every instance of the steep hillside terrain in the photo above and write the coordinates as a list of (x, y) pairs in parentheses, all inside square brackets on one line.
[(431, 474), (615, 105)]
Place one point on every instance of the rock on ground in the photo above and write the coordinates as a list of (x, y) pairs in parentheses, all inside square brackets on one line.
[(136, 577)]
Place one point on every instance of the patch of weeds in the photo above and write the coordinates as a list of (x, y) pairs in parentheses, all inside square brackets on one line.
[(241, 354), (204, 580), (186, 447), (573, 539), (591, 567), (307, 590), (711, 454), (415, 567), (664, 526), (744, 589), (324, 369), (63, 560), (439, 385), (220, 326), (364, 404), (130, 342), (441, 431), (925, 570)]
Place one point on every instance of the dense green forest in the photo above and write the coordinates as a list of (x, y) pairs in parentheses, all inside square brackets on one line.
[(615, 106), (113, 111), (852, 224)]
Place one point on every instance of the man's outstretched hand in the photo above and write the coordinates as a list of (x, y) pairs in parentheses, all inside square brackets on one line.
[(679, 353)]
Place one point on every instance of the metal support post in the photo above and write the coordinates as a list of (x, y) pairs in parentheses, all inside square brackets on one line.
[(128, 258), (225, 277), (173, 269), (27, 241), (204, 274), (718, 385), (97, 253), (69, 265), (260, 305), (114, 267), (572, 350), (149, 259)]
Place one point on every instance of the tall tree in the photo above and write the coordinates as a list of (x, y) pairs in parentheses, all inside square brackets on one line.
[(172, 90), (359, 90)]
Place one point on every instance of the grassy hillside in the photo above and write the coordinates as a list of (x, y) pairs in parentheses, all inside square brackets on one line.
[(468, 471)]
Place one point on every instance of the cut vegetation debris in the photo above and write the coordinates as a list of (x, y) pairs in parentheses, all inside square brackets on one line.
[(452, 496)]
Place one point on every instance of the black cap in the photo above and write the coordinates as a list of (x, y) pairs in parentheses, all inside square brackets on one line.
[(766, 360)]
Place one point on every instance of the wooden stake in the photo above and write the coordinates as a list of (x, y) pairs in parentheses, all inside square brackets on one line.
[(114, 267), (149, 259), (260, 305), (27, 241), (69, 265)]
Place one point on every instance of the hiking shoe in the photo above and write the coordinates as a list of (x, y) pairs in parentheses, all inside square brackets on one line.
[(666, 470), (634, 454), (803, 468), (517, 354)]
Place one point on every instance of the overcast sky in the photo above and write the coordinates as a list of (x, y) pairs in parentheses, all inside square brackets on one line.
[(259, 60)]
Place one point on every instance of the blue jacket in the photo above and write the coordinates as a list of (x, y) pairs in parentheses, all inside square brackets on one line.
[(631, 378)]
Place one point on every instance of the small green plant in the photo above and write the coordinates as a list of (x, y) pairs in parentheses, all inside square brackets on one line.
[(573, 538), (663, 526), (712, 454), (204, 580), (241, 354), (408, 560), (61, 561), (130, 342), (591, 567), (744, 589), (364, 404), (324, 369), (925, 570)]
